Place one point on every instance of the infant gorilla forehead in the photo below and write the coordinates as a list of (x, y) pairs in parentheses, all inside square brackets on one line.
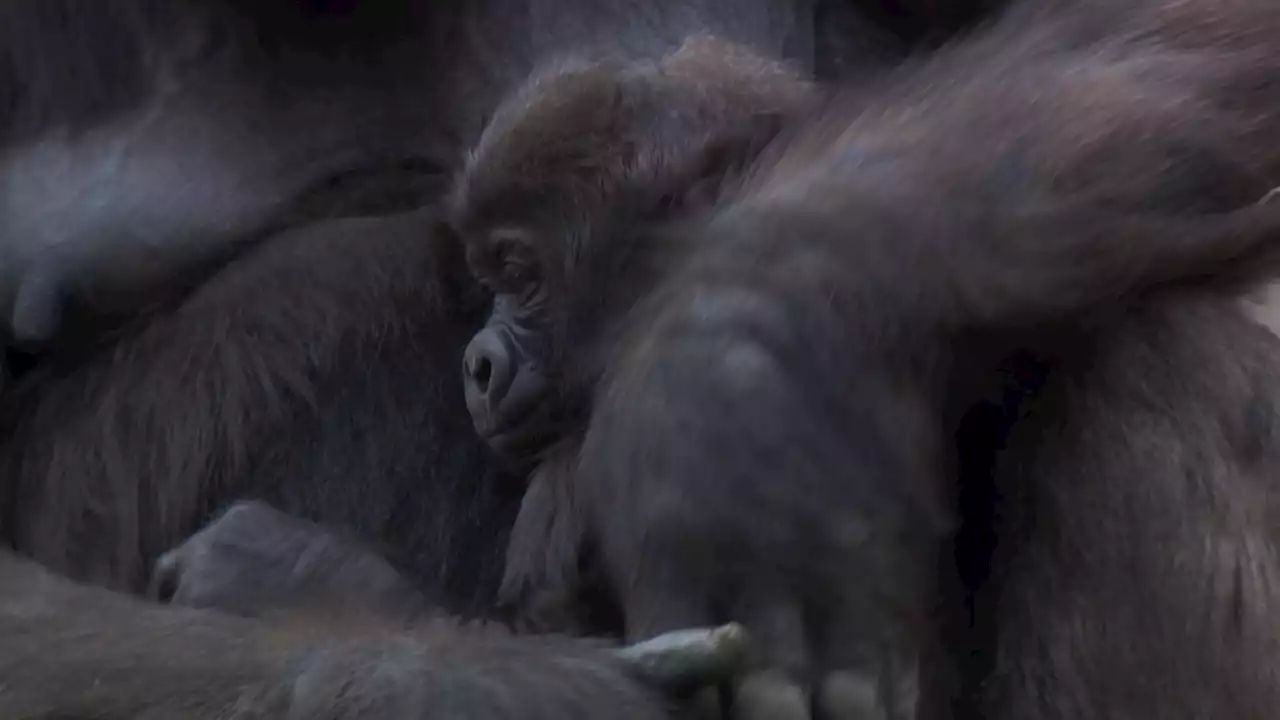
[(558, 191), (580, 137)]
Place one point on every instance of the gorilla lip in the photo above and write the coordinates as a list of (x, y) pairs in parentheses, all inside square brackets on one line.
[(516, 432)]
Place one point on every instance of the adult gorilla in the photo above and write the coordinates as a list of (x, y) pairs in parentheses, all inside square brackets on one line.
[(390, 459), (75, 651), (317, 372), (754, 422), (147, 142), (315, 369), (768, 389)]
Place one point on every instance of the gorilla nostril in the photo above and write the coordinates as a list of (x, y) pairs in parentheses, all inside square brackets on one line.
[(488, 368), (481, 372)]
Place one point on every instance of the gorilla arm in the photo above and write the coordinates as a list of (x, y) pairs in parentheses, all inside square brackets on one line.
[(71, 648), (777, 412), (67, 649)]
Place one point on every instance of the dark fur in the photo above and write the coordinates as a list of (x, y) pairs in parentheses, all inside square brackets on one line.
[(337, 400), (72, 651), (148, 143), (1136, 566), (326, 387), (317, 369), (769, 440), (583, 150), (323, 355)]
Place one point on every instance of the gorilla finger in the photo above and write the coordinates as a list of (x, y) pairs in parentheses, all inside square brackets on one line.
[(869, 655), (867, 678), (780, 689), (652, 612), (166, 576), (901, 686), (779, 632), (707, 703), (850, 696), (769, 695), (681, 661)]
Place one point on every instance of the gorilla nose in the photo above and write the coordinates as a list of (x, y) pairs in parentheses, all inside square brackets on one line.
[(488, 373), (480, 368)]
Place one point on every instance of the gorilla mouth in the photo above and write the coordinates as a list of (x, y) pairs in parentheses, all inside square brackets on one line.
[(523, 433), (524, 443)]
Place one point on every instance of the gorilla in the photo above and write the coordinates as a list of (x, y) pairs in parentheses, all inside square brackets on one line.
[(750, 411), (71, 650), (117, 656), (737, 363), (281, 318), (117, 449), (146, 143)]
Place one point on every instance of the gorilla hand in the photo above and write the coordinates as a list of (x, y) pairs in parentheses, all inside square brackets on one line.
[(255, 559)]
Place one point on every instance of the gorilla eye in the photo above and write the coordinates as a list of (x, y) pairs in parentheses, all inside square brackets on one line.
[(510, 261)]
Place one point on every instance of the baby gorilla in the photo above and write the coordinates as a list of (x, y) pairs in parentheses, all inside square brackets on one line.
[(747, 418), (648, 140)]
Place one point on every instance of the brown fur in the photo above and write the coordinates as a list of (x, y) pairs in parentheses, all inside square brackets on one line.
[(770, 435)]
